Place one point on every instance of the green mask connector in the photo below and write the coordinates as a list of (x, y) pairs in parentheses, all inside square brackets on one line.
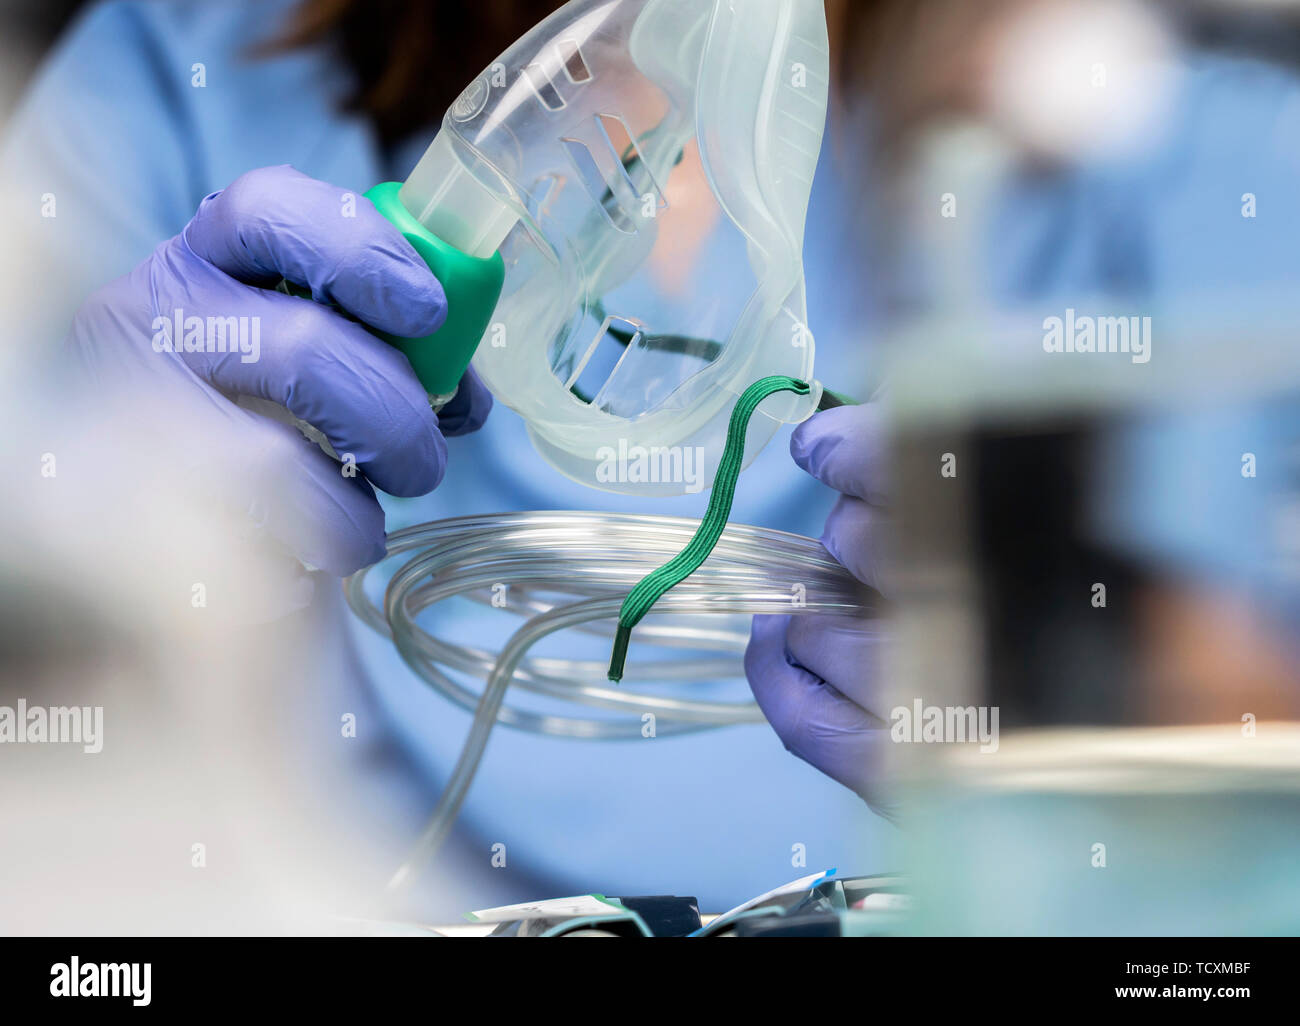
[(473, 286)]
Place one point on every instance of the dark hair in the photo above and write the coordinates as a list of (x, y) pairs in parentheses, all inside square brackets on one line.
[(905, 57), (409, 58)]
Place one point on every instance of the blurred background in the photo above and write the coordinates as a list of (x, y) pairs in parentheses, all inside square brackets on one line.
[(990, 165), (1089, 541)]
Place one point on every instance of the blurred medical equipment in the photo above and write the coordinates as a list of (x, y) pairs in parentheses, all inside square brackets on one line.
[(818, 905), (1110, 563)]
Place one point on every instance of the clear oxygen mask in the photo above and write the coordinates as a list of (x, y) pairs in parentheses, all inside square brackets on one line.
[(643, 168)]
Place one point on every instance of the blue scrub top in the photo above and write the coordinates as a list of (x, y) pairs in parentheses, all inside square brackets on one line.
[(119, 127)]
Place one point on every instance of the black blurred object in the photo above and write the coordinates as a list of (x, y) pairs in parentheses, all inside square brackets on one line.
[(28, 29), (665, 914), (1262, 31), (804, 924), (388, 45), (1034, 561)]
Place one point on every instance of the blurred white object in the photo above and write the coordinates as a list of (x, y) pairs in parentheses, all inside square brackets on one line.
[(1081, 78)]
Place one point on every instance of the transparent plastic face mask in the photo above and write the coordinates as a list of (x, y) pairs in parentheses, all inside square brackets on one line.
[(644, 168)]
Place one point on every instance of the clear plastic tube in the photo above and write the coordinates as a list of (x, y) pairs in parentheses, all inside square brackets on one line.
[(571, 571)]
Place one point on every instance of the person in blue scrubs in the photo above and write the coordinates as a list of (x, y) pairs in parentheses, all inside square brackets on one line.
[(145, 109), (142, 111)]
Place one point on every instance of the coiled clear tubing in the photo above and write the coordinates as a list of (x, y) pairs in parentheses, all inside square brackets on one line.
[(571, 571)]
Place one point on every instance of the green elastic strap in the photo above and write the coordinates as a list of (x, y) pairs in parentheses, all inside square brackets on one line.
[(641, 598)]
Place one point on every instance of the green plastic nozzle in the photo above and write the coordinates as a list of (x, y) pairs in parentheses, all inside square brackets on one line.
[(472, 284)]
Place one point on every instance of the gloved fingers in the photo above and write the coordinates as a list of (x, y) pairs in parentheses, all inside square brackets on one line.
[(276, 487), (813, 719), (857, 534), (845, 448), (469, 409), (295, 494), (325, 369), (276, 222), (766, 668), (847, 651)]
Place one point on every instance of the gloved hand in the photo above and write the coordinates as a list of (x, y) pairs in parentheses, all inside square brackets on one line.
[(815, 676), (361, 392)]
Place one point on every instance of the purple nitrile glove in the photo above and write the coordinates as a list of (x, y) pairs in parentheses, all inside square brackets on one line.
[(815, 676), (139, 353)]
